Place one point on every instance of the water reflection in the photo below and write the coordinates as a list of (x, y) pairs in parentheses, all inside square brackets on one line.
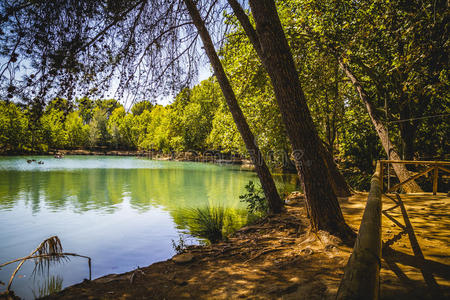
[(92, 189), (48, 285), (102, 189)]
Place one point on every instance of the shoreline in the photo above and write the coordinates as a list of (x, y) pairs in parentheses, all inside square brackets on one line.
[(210, 156), (278, 257)]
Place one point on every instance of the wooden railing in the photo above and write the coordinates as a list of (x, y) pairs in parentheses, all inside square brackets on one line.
[(361, 278), (434, 166)]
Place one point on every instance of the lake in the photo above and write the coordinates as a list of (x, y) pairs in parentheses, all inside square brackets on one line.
[(123, 212)]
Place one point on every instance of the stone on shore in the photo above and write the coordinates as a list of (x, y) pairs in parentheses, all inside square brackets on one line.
[(183, 258)]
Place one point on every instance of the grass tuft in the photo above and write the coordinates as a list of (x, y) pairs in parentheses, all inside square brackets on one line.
[(208, 223)]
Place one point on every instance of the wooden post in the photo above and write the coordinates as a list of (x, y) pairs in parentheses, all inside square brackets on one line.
[(388, 176), (361, 278), (435, 179), (381, 176)]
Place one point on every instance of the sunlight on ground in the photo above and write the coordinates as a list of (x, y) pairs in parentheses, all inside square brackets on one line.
[(402, 271)]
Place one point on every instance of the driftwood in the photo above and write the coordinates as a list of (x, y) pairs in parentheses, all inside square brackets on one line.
[(361, 278)]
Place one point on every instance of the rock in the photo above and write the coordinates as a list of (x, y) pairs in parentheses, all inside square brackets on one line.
[(183, 258)]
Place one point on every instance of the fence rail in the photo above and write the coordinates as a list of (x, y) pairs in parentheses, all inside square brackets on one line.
[(361, 278), (434, 166)]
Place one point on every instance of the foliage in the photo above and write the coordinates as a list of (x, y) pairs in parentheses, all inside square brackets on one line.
[(358, 181), (254, 197), (52, 123), (208, 222), (360, 145), (77, 133), (139, 107), (14, 134), (52, 285), (98, 133), (70, 48)]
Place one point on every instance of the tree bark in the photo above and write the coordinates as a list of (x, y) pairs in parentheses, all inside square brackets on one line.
[(408, 131), (267, 183), (337, 180), (400, 169), (272, 47)]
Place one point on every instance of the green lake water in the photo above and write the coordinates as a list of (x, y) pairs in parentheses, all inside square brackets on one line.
[(123, 212)]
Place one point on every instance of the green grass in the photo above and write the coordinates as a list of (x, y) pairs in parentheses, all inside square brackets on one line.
[(208, 223)]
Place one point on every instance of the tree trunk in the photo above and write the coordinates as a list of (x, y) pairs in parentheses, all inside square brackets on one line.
[(400, 169), (267, 183), (337, 180), (272, 47)]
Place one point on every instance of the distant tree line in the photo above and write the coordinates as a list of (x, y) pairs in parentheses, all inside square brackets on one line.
[(186, 124), (198, 120)]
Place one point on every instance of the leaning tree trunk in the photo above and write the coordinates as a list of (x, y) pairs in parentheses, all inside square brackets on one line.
[(267, 183), (400, 169), (274, 52), (337, 180)]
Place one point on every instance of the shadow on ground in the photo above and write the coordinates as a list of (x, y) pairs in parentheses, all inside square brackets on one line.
[(280, 259)]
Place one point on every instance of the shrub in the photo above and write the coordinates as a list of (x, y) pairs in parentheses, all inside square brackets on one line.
[(255, 199), (207, 223)]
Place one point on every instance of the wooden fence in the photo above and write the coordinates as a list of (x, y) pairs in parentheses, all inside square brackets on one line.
[(434, 166), (361, 278)]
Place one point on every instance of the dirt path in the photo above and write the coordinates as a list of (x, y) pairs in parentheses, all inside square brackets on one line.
[(280, 259)]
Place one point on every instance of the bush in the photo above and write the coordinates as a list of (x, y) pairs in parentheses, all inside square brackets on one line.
[(255, 199), (207, 223)]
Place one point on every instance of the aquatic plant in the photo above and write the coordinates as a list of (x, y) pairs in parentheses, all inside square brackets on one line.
[(207, 222), (179, 246)]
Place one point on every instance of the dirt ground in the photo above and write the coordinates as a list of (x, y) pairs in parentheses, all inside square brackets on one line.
[(279, 258)]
